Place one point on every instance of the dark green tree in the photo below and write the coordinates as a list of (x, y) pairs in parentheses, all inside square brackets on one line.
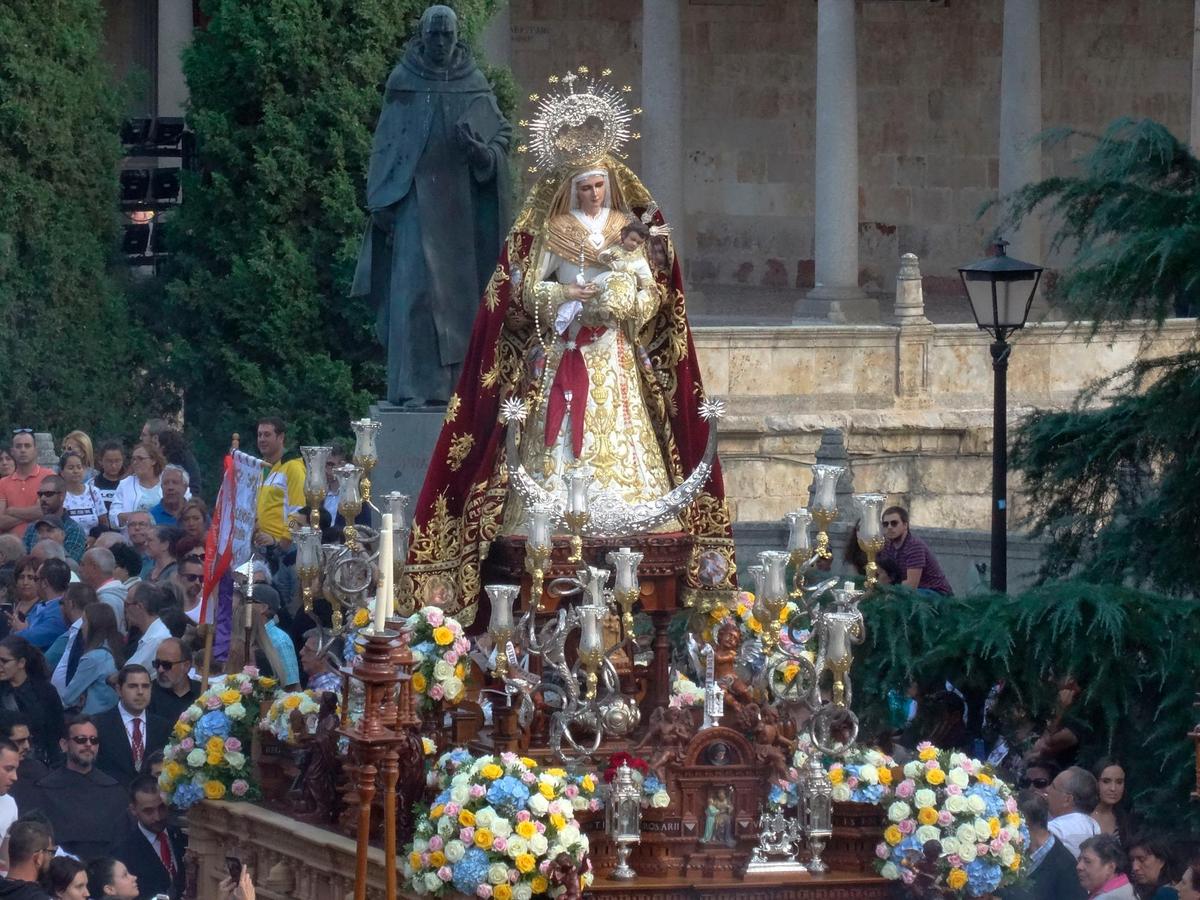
[(284, 98), (1113, 481), (71, 355)]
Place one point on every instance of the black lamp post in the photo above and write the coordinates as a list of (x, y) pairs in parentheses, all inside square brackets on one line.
[(1001, 291)]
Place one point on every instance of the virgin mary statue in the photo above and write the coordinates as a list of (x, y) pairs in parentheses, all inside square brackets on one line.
[(584, 322)]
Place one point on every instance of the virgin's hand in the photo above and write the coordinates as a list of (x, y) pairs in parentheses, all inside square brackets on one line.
[(580, 291)]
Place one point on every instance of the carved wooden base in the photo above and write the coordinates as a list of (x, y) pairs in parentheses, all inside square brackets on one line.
[(831, 886), (856, 830)]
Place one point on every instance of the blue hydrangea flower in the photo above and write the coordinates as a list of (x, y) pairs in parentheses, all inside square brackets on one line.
[(470, 871), (187, 794), (651, 784), (443, 798), (508, 794), (982, 877), (212, 724), (867, 793), (993, 805)]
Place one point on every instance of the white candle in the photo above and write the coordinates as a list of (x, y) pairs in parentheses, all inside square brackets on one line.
[(383, 603)]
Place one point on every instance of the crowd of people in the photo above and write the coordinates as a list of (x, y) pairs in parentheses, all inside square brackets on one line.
[(101, 575)]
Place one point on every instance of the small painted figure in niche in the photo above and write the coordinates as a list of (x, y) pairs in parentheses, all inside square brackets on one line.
[(718, 817)]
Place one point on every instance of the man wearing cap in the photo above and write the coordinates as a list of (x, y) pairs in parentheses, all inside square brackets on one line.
[(18, 491), (266, 607), (50, 495)]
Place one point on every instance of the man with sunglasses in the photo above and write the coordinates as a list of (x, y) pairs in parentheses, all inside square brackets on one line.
[(18, 491), (14, 728), (86, 807), (50, 496), (30, 848), (189, 575), (922, 571), (173, 691)]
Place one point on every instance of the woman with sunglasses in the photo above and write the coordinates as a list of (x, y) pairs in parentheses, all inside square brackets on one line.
[(66, 879), (141, 490), (25, 687), (89, 688)]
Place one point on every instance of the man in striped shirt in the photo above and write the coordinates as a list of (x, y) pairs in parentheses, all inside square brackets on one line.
[(921, 569)]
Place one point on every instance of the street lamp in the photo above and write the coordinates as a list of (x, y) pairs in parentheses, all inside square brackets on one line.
[(1001, 291)]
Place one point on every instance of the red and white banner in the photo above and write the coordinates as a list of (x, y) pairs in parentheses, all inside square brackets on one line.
[(228, 543)]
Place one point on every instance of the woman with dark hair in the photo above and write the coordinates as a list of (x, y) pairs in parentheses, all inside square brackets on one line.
[(141, 490), (89, 688), (82, 500), (1153, 866), (25, 586), (1112, 813), (109, 879), (25, 688), (66, 879), (161, 549)]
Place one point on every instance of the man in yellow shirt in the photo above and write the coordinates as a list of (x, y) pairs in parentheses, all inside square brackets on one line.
[(282, 491)]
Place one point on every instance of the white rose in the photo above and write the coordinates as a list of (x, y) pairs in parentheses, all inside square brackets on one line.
[(890, 871), (660, 800), (965, 834), (445, 826), (959, 777), (442, 670), (949, 842), (455, 851), (501, 827), (538, 805), (913, 769), (522, 891), (417, 657), (1007, 855), (899, 811), (923, 798), (568, 835), (976, 805), (517, 845), (461, 778), (453, 687), (927, 833), (956, 804), (841, 792), (460, 794), (485, 817), (196, 758), (235, 758), (538, 845), (235, 711), (983, 831), (420, 845), (578, 802), (868, 773), (432, 882), (967, 852), (497, 873), (957, 758)]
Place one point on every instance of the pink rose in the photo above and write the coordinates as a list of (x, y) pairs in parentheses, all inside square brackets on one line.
[(541, 827), (484, 891), (544, 867), (997, 844), (522, 815), (476, 791), (852, 782), (239, 787), (466, 835), (907, 875), (981, 849), (250, 671), (593, 804), (444, 873), (924, 745), (499, 845), (424, 860), (233, 744), (967, 766), (906, 789), (528, 777), (462, 645), (945, 817), (931, 764), (954, 860), (953, 790), (437, 692), (213, 702), (451, 657), (452, 809), (513, 876), (571, 791), (1010, 805), (881, 850), (434, 616), (435, 842), (187, 744), (908, 826)]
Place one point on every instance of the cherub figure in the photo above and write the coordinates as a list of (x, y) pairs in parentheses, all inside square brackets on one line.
[(669, 732)]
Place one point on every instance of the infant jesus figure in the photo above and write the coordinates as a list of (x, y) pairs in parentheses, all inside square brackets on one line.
[(617, 295)]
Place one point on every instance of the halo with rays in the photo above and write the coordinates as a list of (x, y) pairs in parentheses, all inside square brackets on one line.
[(582, 121)]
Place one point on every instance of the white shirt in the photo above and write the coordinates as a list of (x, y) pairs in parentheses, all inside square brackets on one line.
[(8, 815), (143, 654), (1073, 829), (86, 507), (128, 718), (59, 678)]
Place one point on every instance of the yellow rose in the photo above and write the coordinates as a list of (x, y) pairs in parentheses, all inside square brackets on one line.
[(173, 769), (526, 863), (558, 821), (789, 672), (836, 776), (718, 613), (414, 859), (443, 636), (588, 783), (539, 884), (892, 835), (557, 772), (466, 818), (1013, 820), (528, 763), (956, 880), (984, 778), (418, 682), (437, 859), (526, 829), (459, 671), (361, 618), (885, 775), (927, 815), (182, 730), (436, 812), (935, 776), (756, 626), (267, 682), (231, 697), (491, 771), (927, 754), (1015, 865), (741, 610), (502, 892), (291, 702), (483, 839), (428, 746), (994, 824), (214, 790), (546, 790), (213, 759), (214, 745)]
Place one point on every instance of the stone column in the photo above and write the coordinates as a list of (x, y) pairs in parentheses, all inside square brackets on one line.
[(496, 39), (662, 101), (1021, 116), (836, 295), (174, 34), (1195, 131)]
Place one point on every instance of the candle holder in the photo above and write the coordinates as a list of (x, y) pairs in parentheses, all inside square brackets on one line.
[(315, 486), (538, 522), (816, 809), (501, 626), (365, 454), (591, 614), (623, 817), (773, 596), (308, 562), (396, 504), (824, 505), (625, 563), (870, 534), (350, 500), (579, 479)]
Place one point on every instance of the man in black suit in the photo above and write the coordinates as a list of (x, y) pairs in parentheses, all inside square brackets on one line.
[(128, 733), (153, 850), (173, 690)]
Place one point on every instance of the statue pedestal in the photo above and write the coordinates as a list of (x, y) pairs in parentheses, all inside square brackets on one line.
[(405, 442)]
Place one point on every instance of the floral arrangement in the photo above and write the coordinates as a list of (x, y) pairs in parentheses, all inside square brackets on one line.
[(863, 776), (685, 692), (208, 754), (961, 803), (654, 792), (495, 826), (439, 649), (278, 720)]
